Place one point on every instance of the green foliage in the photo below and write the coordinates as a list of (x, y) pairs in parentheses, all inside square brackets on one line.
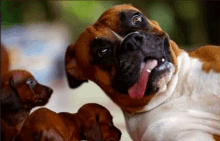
[(79, 14), (164, 15), (21, 12), (11, 13), (177, 18), (187, 9)]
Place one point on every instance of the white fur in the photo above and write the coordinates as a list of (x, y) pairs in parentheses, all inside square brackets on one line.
[(189, 109)]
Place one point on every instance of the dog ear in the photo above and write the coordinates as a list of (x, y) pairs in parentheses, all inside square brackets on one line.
[(155, 25), (92, 130), (74, 76), (10, 100)]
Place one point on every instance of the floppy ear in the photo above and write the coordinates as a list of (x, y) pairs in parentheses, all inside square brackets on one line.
[(155, 25), (92, 130), (10, 100), (72, 72)]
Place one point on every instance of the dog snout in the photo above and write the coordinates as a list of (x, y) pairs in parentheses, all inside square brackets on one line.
[(46, 92), (118, 134), (115, 134), (131, 42), (50, 91)]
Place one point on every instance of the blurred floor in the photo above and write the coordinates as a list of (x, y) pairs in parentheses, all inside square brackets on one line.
[(40, 48)]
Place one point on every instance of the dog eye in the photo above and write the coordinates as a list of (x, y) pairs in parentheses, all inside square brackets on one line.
[(30, 82), (137, 19), (102, 52)]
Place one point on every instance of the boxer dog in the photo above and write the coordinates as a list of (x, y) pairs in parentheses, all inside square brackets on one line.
[(20, 92), (165, 93)]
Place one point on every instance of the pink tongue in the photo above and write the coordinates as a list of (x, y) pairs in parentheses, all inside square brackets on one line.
[(138, 90)]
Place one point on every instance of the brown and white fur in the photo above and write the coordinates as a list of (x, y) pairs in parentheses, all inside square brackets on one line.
[(189, 109), (182, 98)]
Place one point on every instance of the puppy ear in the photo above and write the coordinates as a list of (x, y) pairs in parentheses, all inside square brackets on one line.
[(74, 76), (92, 130), (10, 100)]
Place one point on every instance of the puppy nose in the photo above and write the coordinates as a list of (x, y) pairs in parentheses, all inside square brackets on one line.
[(132, 42), (50, 90), (119, 134)]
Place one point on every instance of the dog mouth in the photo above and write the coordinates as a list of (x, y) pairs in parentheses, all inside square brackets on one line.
[(149, 67), (41, 101), (44, 98), (145, 64)]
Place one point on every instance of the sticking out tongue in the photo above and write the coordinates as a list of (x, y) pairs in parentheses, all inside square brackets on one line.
[(138, 89)]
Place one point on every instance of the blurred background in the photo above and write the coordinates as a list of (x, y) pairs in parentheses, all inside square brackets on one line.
[(36, 34)]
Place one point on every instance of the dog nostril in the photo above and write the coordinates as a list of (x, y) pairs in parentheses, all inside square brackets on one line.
[(138, 38)]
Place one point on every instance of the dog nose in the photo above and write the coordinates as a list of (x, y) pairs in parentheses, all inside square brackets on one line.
[(50, 90), (132, 42)]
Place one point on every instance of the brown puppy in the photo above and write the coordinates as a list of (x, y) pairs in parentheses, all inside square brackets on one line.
[(20, 92), (92, 122), (165, 93)]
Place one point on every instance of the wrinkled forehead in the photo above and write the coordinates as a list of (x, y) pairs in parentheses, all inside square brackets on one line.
[(113, 12), (94, 32), (111, 17), (21, 75), (114, 18), (109, 26)]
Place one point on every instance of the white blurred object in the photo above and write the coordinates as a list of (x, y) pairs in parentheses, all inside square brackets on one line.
[(36, 47)]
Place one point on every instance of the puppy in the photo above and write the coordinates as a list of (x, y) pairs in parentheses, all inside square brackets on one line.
[(20, 92), (165, 93), (92, 122)]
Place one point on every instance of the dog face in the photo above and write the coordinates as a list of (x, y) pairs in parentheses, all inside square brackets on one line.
[(126, 54), (98, 123), (19, 89)]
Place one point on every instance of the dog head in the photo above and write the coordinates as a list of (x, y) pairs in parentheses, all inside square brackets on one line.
[(19, 89), (98, 123), (126, 54)]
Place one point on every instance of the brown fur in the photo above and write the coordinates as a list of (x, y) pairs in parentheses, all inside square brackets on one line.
[(104, 27), (17, 99), (92, 122), (81, 68), (217, 138), (110, 17), (4, 61), (210, 56)]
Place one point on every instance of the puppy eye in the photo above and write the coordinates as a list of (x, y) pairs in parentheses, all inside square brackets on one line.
[(102, 52), (137, 19), (30, 82)]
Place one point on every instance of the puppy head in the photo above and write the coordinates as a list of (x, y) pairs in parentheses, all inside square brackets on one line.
[(19, 89), (97, 123), (126, 54)]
